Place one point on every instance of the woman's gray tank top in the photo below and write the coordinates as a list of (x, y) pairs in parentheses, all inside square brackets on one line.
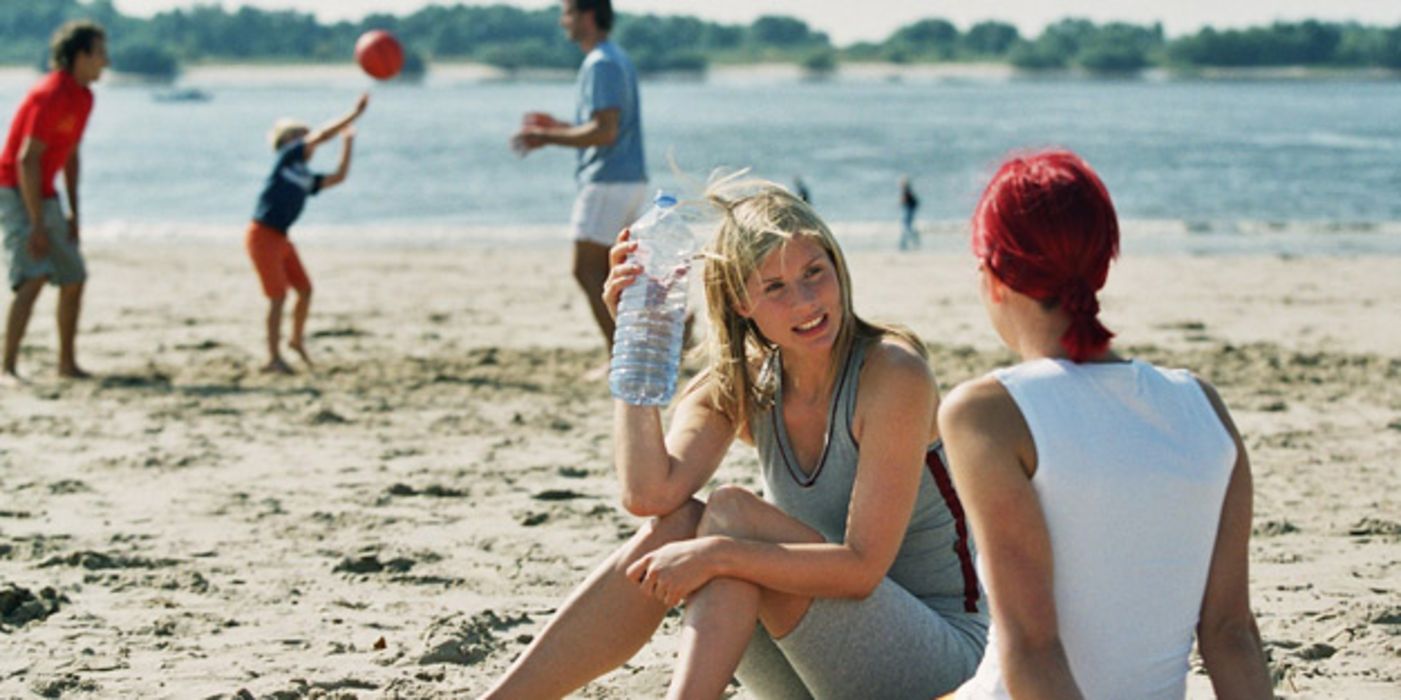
[(935, 560)]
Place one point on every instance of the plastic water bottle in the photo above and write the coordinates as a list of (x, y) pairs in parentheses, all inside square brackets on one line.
[(652, 310)]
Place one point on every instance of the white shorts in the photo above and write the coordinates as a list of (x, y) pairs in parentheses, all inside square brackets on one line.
[(603, 209)]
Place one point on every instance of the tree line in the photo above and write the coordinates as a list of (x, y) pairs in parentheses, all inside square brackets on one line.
[(515, 38)]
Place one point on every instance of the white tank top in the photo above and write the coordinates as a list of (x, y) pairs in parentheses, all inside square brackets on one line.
[(1132, 467)]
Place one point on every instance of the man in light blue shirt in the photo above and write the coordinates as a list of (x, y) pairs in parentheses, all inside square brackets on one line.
[(607, 131)]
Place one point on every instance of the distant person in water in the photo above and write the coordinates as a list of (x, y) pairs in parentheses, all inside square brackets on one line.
[(279, 204), (800, 188), (909, 204), (606, 131), (41, 242)]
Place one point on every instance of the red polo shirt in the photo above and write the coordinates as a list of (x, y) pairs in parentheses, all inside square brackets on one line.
[(55, 111)]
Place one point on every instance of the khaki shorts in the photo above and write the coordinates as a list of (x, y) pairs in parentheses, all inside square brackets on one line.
[(603, 209), (63, 265)]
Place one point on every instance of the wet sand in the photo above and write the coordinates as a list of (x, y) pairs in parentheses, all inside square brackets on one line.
[(400, 521)]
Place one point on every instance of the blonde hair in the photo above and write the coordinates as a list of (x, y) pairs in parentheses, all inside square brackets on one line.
[(282, 130), (759, 217)]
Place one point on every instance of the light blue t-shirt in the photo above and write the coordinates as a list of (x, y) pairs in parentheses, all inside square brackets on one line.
[(607, 81)]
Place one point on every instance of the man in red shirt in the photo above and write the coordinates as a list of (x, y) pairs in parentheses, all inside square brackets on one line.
[(41, 242)]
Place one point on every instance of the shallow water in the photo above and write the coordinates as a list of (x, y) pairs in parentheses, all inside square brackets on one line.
[(1226, 159)]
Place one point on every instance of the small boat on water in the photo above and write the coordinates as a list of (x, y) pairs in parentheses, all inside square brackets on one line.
[(186, 94)]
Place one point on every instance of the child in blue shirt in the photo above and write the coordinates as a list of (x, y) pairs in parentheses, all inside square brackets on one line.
[(279, 204)]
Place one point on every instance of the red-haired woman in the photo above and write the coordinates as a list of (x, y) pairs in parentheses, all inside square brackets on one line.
[(1110, 498)]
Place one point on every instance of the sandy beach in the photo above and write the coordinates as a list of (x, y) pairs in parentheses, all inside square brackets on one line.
[(400, 521)]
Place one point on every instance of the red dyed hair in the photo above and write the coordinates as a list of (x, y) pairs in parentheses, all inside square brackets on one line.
[(1046, 227)]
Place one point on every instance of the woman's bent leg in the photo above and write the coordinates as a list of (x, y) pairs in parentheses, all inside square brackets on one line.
[(766, 673), (721, 616), (887, 645), (719, 623), (604, 622)]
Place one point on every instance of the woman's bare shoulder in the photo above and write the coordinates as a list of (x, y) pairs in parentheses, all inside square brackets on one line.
[(983, 405), (894, 357)]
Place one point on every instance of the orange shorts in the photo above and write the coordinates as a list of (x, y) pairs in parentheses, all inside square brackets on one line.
[(275, 259)]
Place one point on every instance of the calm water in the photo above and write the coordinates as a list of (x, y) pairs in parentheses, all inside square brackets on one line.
[(1216, 158)]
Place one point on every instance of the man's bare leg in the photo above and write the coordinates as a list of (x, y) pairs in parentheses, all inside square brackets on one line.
[(70, 305), (299, 314), (591, 271), (21, 306), (602, 624), (274, 328)]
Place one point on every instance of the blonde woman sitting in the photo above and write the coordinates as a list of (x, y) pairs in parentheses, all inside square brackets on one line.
[(853, 576)]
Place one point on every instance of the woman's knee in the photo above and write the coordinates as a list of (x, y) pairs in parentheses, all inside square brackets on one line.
[(726, 512)]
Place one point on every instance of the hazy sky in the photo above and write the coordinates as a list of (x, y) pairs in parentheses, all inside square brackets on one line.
[(847, 20)]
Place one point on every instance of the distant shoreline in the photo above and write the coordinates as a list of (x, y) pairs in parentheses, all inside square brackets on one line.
[(1148, 237), (456, 71)]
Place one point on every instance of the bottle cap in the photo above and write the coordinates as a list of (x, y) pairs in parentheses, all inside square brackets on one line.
[(664, 200)]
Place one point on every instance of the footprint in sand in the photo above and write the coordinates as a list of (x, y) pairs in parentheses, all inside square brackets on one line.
[(452, 640), (21, 606)]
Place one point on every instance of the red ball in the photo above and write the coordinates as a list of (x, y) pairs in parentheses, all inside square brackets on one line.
[(380, 54)]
